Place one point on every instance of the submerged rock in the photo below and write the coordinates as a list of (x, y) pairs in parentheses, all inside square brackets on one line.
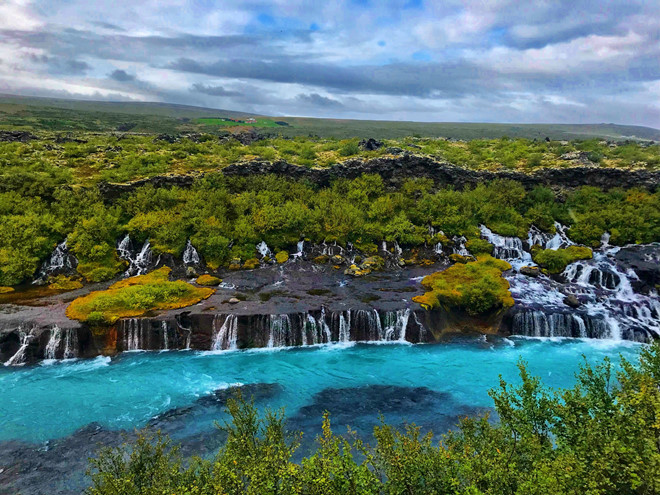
[(572, 301)]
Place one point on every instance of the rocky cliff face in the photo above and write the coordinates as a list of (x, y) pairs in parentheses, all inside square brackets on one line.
[(394, 170)]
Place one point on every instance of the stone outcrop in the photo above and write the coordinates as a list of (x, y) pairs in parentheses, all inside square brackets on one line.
[(395, 170)]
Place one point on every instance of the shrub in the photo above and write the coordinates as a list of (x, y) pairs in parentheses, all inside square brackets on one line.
[(598, 437), (479, 246)]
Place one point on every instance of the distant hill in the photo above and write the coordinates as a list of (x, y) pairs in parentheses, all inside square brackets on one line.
[(51, 114)]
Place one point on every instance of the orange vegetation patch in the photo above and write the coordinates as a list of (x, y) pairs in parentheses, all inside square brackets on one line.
[(136, 296)]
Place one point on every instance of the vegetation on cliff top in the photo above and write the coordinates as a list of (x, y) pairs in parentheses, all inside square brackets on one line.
[(226, 217), (598, 437), (475, 287), (135, 296)]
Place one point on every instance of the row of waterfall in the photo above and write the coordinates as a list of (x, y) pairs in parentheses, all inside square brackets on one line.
[(231, 331), (62, 344), (317, 327), (608, 306)]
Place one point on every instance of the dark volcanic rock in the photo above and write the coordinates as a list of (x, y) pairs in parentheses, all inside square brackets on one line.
[(16, 136), (395, 170), (572, 301), (370, 144), (530, 271), (645, 261)]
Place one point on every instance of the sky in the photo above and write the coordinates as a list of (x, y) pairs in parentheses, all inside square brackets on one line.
[(449, 61)]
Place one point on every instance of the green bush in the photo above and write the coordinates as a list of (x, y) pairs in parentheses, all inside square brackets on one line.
[(598, 437)]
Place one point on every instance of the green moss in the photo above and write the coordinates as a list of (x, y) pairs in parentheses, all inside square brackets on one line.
[(62, 282), (476, 287), (6, 290), (251, 264), (459, 258), (282, 257), (135, 296), (207, 280), (555, 261), (322, 259)]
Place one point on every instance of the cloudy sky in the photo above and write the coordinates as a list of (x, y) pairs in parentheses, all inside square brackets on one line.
[(487, 61)]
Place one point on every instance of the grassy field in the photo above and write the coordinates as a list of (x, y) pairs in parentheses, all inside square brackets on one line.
[(49, 114)]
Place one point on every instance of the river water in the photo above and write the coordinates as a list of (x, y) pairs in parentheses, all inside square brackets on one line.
[(427, 384)]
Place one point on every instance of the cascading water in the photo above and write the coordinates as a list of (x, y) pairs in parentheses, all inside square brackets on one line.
[(281, 332), (60, 260), (53, 343), (396, 324), (264, 250), (133, 334), (506, 248), (70, 344), (459, 246), (164, 330), (608, 306), (138, 263), (300, 251), (190, 255), (225, 335), (18, 359)]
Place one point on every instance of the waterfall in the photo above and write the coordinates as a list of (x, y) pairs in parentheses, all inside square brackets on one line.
[(396, 323), (164, 328), (280, 331), (459, 246), (61, 259), (367, 324), (548, 241), (537, 323), (345, 326), (140, 262), (300, 250), (53, 343), (190, 254), (226, 335), (264, 250), (18, 359), (70, 344), (506, 248), (133, 334)]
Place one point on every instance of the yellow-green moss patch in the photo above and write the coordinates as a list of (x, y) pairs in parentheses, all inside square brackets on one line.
[(136, 296), (476, 287), (6, 290), (556, 260), (282, 257), (207, 279), (62, 282)]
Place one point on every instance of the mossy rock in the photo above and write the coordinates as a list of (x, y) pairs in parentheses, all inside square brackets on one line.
[(134, 297), (235, 264), (476, 287), (368, 248), (337, 259), (321, 260), (459, 258), (555, 261), (207, 279), (6, 290), (282, 257), (62, 282), (251, 264)]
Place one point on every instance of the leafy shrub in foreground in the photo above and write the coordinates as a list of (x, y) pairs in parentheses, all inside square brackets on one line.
[(598, 437)]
